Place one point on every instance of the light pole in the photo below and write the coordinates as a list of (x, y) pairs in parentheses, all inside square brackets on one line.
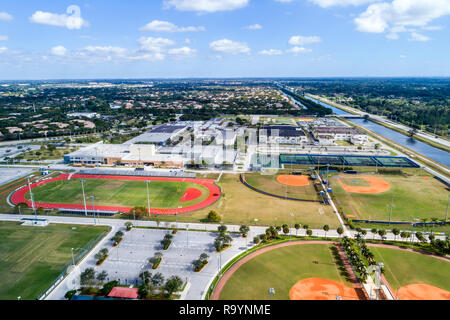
[(390, 211), (93, 208), (147, 182), (84, 196), (271, 292), (31, 196)]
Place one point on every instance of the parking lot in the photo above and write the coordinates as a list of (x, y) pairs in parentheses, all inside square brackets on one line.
[(10, 174), (131, 257)]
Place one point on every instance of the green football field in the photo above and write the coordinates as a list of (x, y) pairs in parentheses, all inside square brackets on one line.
[(119, 193), (281, 269), (415, 197), (31, 258), (403, 268)]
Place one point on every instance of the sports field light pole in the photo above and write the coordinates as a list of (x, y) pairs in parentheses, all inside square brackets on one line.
[(31, 196), (84, 196), (93, 208), (390, 211), (147, 182)]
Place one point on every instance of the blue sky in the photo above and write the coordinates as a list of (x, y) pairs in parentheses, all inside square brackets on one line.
[(47, 39)]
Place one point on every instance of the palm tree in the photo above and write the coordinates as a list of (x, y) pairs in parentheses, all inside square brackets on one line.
[(374, 232), (396, 232), (340, 231), (381, 233), (434, 220), (326, 228), (424, 220), (297, 226), (306, 227)]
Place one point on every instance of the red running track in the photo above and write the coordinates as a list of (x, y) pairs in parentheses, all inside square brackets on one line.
[(214, 194)]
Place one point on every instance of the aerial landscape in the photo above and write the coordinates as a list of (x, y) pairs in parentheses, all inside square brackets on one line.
[(227, 150)]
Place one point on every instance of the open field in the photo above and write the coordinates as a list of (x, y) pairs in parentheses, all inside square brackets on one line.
[(241, 205), (286, 266), (271, 184), (417, 196), (404, 268), (31, 258), (120, 193)]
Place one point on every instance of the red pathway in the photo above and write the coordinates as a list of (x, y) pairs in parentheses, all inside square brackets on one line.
[(214, 194)]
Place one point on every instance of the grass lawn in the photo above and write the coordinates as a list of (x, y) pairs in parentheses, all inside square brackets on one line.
[(281, 269), (415, 197), (46, 154), (270, 184), (121, 193), (31, 258), (405, 268), (241, 205)]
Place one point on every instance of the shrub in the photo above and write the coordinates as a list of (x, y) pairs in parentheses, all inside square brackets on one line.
[(256, 240), (214, 216)]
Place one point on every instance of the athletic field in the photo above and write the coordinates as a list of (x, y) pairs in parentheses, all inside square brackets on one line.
[(116, 193), (282, 269), (284, 185), (31, 258), (369, 196)]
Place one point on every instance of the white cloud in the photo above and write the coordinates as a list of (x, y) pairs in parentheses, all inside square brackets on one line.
[(4, 38), (71, 21), (297, 50), (254, 27), (151, 44), (3, 49), (165, 26), (184, 52), (401, 16), (206, 5), (418, 37), (58, 51), (284, 1), (341, 3), (4, 16), (270, 52), (402, 56), (229, 46), (301, 40)]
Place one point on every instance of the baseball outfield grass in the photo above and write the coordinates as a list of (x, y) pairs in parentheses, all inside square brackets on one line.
[(241, 205), (270, 184), (415, 197), (31, 258), (403, 268), (118, 193), (281, 269)]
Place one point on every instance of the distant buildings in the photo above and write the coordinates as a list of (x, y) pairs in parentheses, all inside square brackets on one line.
[(327, 135), (282, 134)]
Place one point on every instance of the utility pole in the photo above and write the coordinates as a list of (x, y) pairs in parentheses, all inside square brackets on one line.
[(31, 196), (93, 209)]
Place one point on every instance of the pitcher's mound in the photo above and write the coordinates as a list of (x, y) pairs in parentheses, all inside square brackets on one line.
[(321, 289), (295, 181), (422, 292)]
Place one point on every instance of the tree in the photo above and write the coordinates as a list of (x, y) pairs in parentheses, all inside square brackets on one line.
[(157, 280), (374, 232), (213, 216), (102, 276), (102, 254), (145, 277), (404, 235), (244, 230), (70, 294), (326, 228), (431, 238), (396, 232), (297, 227), (87, 276), (204, 257), (128, 225), (309, 232), (222, 241), (222, 228), (256, 240), (381, 233), (340, 231), (285, 229), (173, 284), (107, 287)]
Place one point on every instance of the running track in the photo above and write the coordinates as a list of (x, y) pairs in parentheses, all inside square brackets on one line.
[(214, 194)]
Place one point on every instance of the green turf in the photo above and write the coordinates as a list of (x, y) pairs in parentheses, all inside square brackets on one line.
[(281, 269), (404, 268), (415, 197), (269, 183), (31, 258), (120, 193)]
